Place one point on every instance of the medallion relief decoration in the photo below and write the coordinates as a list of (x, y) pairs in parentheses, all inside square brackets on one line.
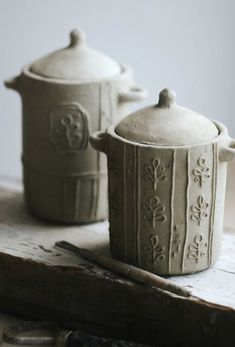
[(69, 131)]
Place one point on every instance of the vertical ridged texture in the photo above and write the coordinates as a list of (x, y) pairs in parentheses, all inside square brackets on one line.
[(118, 191), (172, 208), (213, 199), (77, 199), (129, 214), (168, 208), (200, 207), (155, 207), (64, 196), (96, 191), (186, 211), (94, 198)]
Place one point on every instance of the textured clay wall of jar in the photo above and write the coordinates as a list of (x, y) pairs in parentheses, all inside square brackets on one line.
[(166, 206)]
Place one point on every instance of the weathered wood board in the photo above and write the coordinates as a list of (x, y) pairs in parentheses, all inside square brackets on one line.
[(41, 282)]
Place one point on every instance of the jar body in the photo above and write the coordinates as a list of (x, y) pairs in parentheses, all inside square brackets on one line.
[(166, 204), (64, 178)]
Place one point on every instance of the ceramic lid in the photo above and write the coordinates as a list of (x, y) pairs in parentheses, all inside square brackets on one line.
[(76, 62), (167, 124)]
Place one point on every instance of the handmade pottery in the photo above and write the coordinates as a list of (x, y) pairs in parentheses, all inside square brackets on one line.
[(167, 175), (67, 95)]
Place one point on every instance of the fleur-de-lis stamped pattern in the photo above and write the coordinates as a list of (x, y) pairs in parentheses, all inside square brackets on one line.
[(176, 239), (197, 249), (202, 172), (154, 172), (153, 251), (199, 210), (154, 211), (114, 164)]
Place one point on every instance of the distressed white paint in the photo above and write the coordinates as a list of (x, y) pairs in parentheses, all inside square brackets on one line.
[(24, 236)]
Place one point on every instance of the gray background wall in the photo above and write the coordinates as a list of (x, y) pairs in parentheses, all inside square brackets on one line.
[(184, 44)]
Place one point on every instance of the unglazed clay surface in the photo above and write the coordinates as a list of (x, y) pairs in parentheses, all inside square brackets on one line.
[(60, 111), (166, 123), (166, 202), (163, 208), (76, 62)]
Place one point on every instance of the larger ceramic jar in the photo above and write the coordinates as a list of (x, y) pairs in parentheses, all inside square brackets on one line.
[(66, 96), (167, 176)]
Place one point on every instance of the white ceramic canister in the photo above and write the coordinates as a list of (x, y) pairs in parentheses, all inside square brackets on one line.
[(67, 95), (167, 175)]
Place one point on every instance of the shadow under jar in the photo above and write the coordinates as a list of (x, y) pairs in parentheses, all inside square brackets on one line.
[(167, 175), (67, 95)]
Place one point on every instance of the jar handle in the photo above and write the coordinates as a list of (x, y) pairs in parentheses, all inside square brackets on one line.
[(98, 141), (13, 83), (227, 153), (133, 94)]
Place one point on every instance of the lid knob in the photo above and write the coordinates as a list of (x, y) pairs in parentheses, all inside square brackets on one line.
[(77, 37), (167, 98)]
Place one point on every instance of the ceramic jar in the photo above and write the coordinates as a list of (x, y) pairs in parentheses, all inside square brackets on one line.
[(167, 175), (66, 96)]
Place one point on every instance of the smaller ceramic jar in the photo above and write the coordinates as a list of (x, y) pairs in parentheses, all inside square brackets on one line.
[(167, 176)]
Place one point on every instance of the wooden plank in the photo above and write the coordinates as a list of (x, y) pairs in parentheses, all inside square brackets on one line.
[(28, 238), (39, 281)]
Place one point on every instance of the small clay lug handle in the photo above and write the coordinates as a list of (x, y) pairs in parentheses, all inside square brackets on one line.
[(98, 141), (227, 153), (13, 83), (133, 94)]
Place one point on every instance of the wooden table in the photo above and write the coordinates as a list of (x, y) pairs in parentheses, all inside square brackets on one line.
[(39, 281)]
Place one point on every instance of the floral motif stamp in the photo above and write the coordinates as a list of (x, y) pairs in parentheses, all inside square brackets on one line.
[(202, 172), (197, 248), (154, 211), (154, 172), (153, 251), (199, 210)]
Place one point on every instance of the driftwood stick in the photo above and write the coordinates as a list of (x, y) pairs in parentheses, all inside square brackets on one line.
[(129, 271)]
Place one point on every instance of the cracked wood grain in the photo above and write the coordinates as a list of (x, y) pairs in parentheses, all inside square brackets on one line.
[(40, 285)]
